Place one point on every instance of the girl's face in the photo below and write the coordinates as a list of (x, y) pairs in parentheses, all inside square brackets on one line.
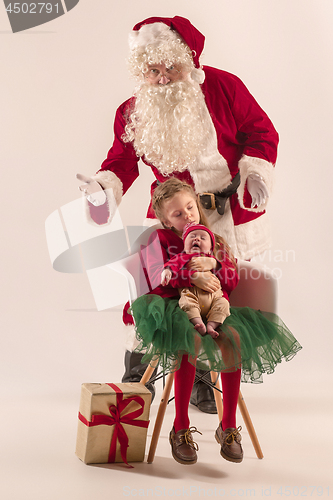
[(179, 210)]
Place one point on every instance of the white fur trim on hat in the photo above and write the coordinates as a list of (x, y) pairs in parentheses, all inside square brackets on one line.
[(198, 75), (151, 34), (252, 165)]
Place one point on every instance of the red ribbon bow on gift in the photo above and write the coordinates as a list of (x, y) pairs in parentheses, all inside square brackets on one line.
[(115, 418)]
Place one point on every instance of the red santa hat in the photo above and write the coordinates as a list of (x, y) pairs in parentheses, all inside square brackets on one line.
[(193, 226), (191, 36), (157, 30)]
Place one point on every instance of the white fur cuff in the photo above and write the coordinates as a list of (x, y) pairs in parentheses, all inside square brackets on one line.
[(108, 180), (252, 165), (113, 189)]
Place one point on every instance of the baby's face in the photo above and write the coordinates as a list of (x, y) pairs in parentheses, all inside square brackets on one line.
[(198, 241)]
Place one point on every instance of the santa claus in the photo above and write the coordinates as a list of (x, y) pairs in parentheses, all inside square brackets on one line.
[(193, 122)]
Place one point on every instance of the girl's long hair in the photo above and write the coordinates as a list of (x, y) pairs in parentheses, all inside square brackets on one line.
[(167, 190)]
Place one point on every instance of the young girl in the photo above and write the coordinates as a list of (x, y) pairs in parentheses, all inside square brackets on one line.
[(249, 343)]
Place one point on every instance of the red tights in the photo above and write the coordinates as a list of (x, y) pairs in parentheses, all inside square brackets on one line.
[(230, 389), (184, 379)]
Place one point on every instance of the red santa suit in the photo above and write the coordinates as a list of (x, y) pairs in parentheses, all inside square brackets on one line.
[(242, 139)]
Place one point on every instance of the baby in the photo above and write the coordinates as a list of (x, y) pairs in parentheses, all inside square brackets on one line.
[(198, 241)]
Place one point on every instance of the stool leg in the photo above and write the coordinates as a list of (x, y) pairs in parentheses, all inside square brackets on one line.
[(217, 395), (160, 417), (249, 425), (149, 371)]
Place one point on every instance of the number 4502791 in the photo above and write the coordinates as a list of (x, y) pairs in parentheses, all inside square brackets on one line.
[(32, 8)]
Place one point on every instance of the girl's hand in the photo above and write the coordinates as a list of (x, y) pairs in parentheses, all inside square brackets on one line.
[(206, 281), (202, 264)]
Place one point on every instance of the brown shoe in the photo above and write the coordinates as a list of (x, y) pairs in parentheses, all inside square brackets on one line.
[(230, 440), (184, 449)]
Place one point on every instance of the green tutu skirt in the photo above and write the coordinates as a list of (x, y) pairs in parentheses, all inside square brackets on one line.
[(252, 340)]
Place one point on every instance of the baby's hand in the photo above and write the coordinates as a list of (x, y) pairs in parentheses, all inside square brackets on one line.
[(202, 264), (166, 277)]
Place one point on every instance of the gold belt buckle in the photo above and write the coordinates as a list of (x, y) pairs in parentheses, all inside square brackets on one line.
[(212, 200)]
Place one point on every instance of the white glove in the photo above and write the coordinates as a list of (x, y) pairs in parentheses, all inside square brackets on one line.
[(257, 189), (92, 189)]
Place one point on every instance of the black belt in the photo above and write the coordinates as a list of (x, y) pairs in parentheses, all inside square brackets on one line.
[(212, 201)]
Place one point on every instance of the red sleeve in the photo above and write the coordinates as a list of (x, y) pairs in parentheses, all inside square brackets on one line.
[(255, 130), (162, 246), (122, 159), (177, 262), (242, 125)]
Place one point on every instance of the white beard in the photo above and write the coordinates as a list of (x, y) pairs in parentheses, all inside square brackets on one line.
[(169, 125), (172, 127)]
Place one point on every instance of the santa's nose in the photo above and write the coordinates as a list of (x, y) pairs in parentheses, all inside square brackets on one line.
[(164, 80)]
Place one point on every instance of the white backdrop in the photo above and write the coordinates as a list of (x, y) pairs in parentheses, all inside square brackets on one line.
[(60, 86)]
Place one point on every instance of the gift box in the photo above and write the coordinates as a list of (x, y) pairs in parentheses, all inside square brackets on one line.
[(113, 422)]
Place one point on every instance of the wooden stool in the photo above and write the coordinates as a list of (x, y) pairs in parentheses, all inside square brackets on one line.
[(219, 405)]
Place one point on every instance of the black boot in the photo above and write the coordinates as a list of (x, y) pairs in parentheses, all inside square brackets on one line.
[(203, 395), (134, 370)]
